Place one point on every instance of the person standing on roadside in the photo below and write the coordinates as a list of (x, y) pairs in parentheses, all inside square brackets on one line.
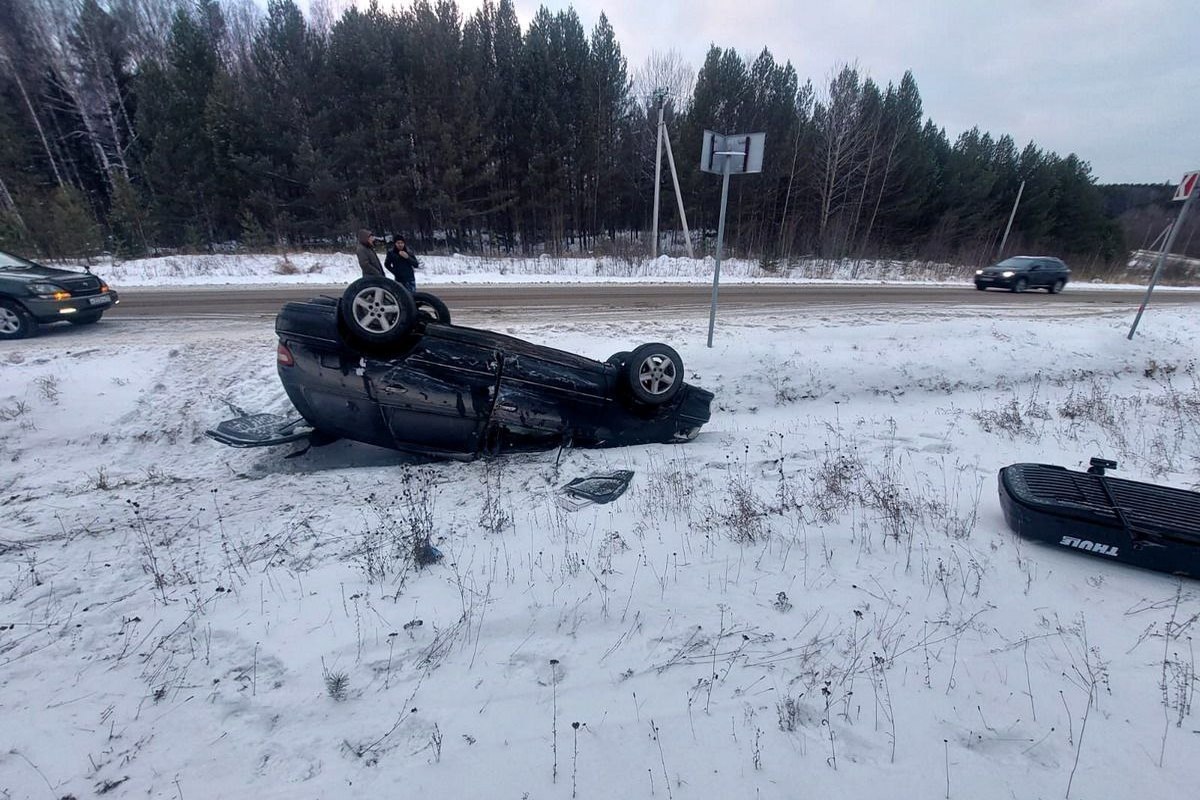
[(401, 263), (368, 262)]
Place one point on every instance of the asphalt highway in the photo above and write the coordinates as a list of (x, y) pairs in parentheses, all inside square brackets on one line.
[(234, 301)]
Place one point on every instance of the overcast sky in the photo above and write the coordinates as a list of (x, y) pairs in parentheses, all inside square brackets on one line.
[(1115, 81)]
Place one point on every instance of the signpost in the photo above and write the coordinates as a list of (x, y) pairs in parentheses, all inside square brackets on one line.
[(1186, 191), (725, 155)]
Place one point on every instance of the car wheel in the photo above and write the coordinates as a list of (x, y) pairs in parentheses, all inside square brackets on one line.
[(654, 373), (1057, 286), (377, 310), (1021, 285), (431, 308), (619, 360), (15, 322), (980, 288), (85, 319)]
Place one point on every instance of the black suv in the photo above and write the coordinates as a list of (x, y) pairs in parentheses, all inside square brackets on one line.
[(1024, 272), (31, 293)]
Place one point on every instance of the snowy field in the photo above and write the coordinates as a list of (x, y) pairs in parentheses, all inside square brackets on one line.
[(817, 598), (341, 268)]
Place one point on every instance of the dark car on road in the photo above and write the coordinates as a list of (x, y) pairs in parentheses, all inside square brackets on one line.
[(1019, 273), (388, 368), (32, 294)]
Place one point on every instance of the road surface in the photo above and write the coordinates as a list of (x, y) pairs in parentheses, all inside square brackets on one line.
[(233, 301)]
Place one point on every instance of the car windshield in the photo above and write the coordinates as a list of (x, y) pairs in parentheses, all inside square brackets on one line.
[(12, 262), (1017, 262)]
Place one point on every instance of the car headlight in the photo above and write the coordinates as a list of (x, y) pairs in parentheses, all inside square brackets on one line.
[(50, 290), (1008, 274), (978, 272)]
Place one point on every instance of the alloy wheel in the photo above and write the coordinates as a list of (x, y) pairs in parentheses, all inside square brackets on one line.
[(657, 374), (9, 321), (376, 310)]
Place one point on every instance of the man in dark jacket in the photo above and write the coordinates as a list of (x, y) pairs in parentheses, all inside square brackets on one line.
[(401, 263), (368, 262)]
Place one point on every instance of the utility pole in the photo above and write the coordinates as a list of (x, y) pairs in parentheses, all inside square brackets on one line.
[(664, 137), (1011, 217), (1186, 192), (687, 236), (657, 176)]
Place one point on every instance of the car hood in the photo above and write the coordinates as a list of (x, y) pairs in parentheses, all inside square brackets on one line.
[(1002, 270), (38, 273)]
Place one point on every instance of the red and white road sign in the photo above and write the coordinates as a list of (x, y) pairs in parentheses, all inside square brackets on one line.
[(1187, 186)]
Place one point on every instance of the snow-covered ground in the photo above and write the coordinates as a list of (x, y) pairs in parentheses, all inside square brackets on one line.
[(341, 268), (817, 598)]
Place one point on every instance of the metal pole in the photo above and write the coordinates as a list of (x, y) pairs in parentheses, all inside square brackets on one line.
[(712, 314), (657, 185), (687, 237), (1162, 236), (1010, 219), (1162, 259)]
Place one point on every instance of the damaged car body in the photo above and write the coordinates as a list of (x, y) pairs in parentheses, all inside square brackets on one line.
[(387, 368)]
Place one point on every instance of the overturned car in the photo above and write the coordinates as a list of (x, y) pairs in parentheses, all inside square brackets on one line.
[(381, 366)]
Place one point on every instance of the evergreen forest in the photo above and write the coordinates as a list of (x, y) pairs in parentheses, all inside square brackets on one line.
[(144, 126)]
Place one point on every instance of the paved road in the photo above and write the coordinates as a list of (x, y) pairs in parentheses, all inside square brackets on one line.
[(263, 301)]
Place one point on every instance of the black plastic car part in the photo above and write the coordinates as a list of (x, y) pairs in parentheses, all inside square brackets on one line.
[(1143, 524), (1099, 465), (260, 430), (602, 488)]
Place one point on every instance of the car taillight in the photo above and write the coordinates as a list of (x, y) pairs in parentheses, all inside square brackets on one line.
[(284, 356)]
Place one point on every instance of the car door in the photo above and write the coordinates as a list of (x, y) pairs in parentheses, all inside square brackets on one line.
[(548, 392), (439, 396), (1036, 275)]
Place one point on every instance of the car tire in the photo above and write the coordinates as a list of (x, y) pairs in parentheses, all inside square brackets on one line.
[(15, 322), (1056, 287), (619, 360), (980, 288), (91, 318), (654, 374), (430, 308), (377, 310), (1020, 285)]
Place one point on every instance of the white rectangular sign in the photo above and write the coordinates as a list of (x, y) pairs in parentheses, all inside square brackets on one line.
[(743, 150), (1187, 186)]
